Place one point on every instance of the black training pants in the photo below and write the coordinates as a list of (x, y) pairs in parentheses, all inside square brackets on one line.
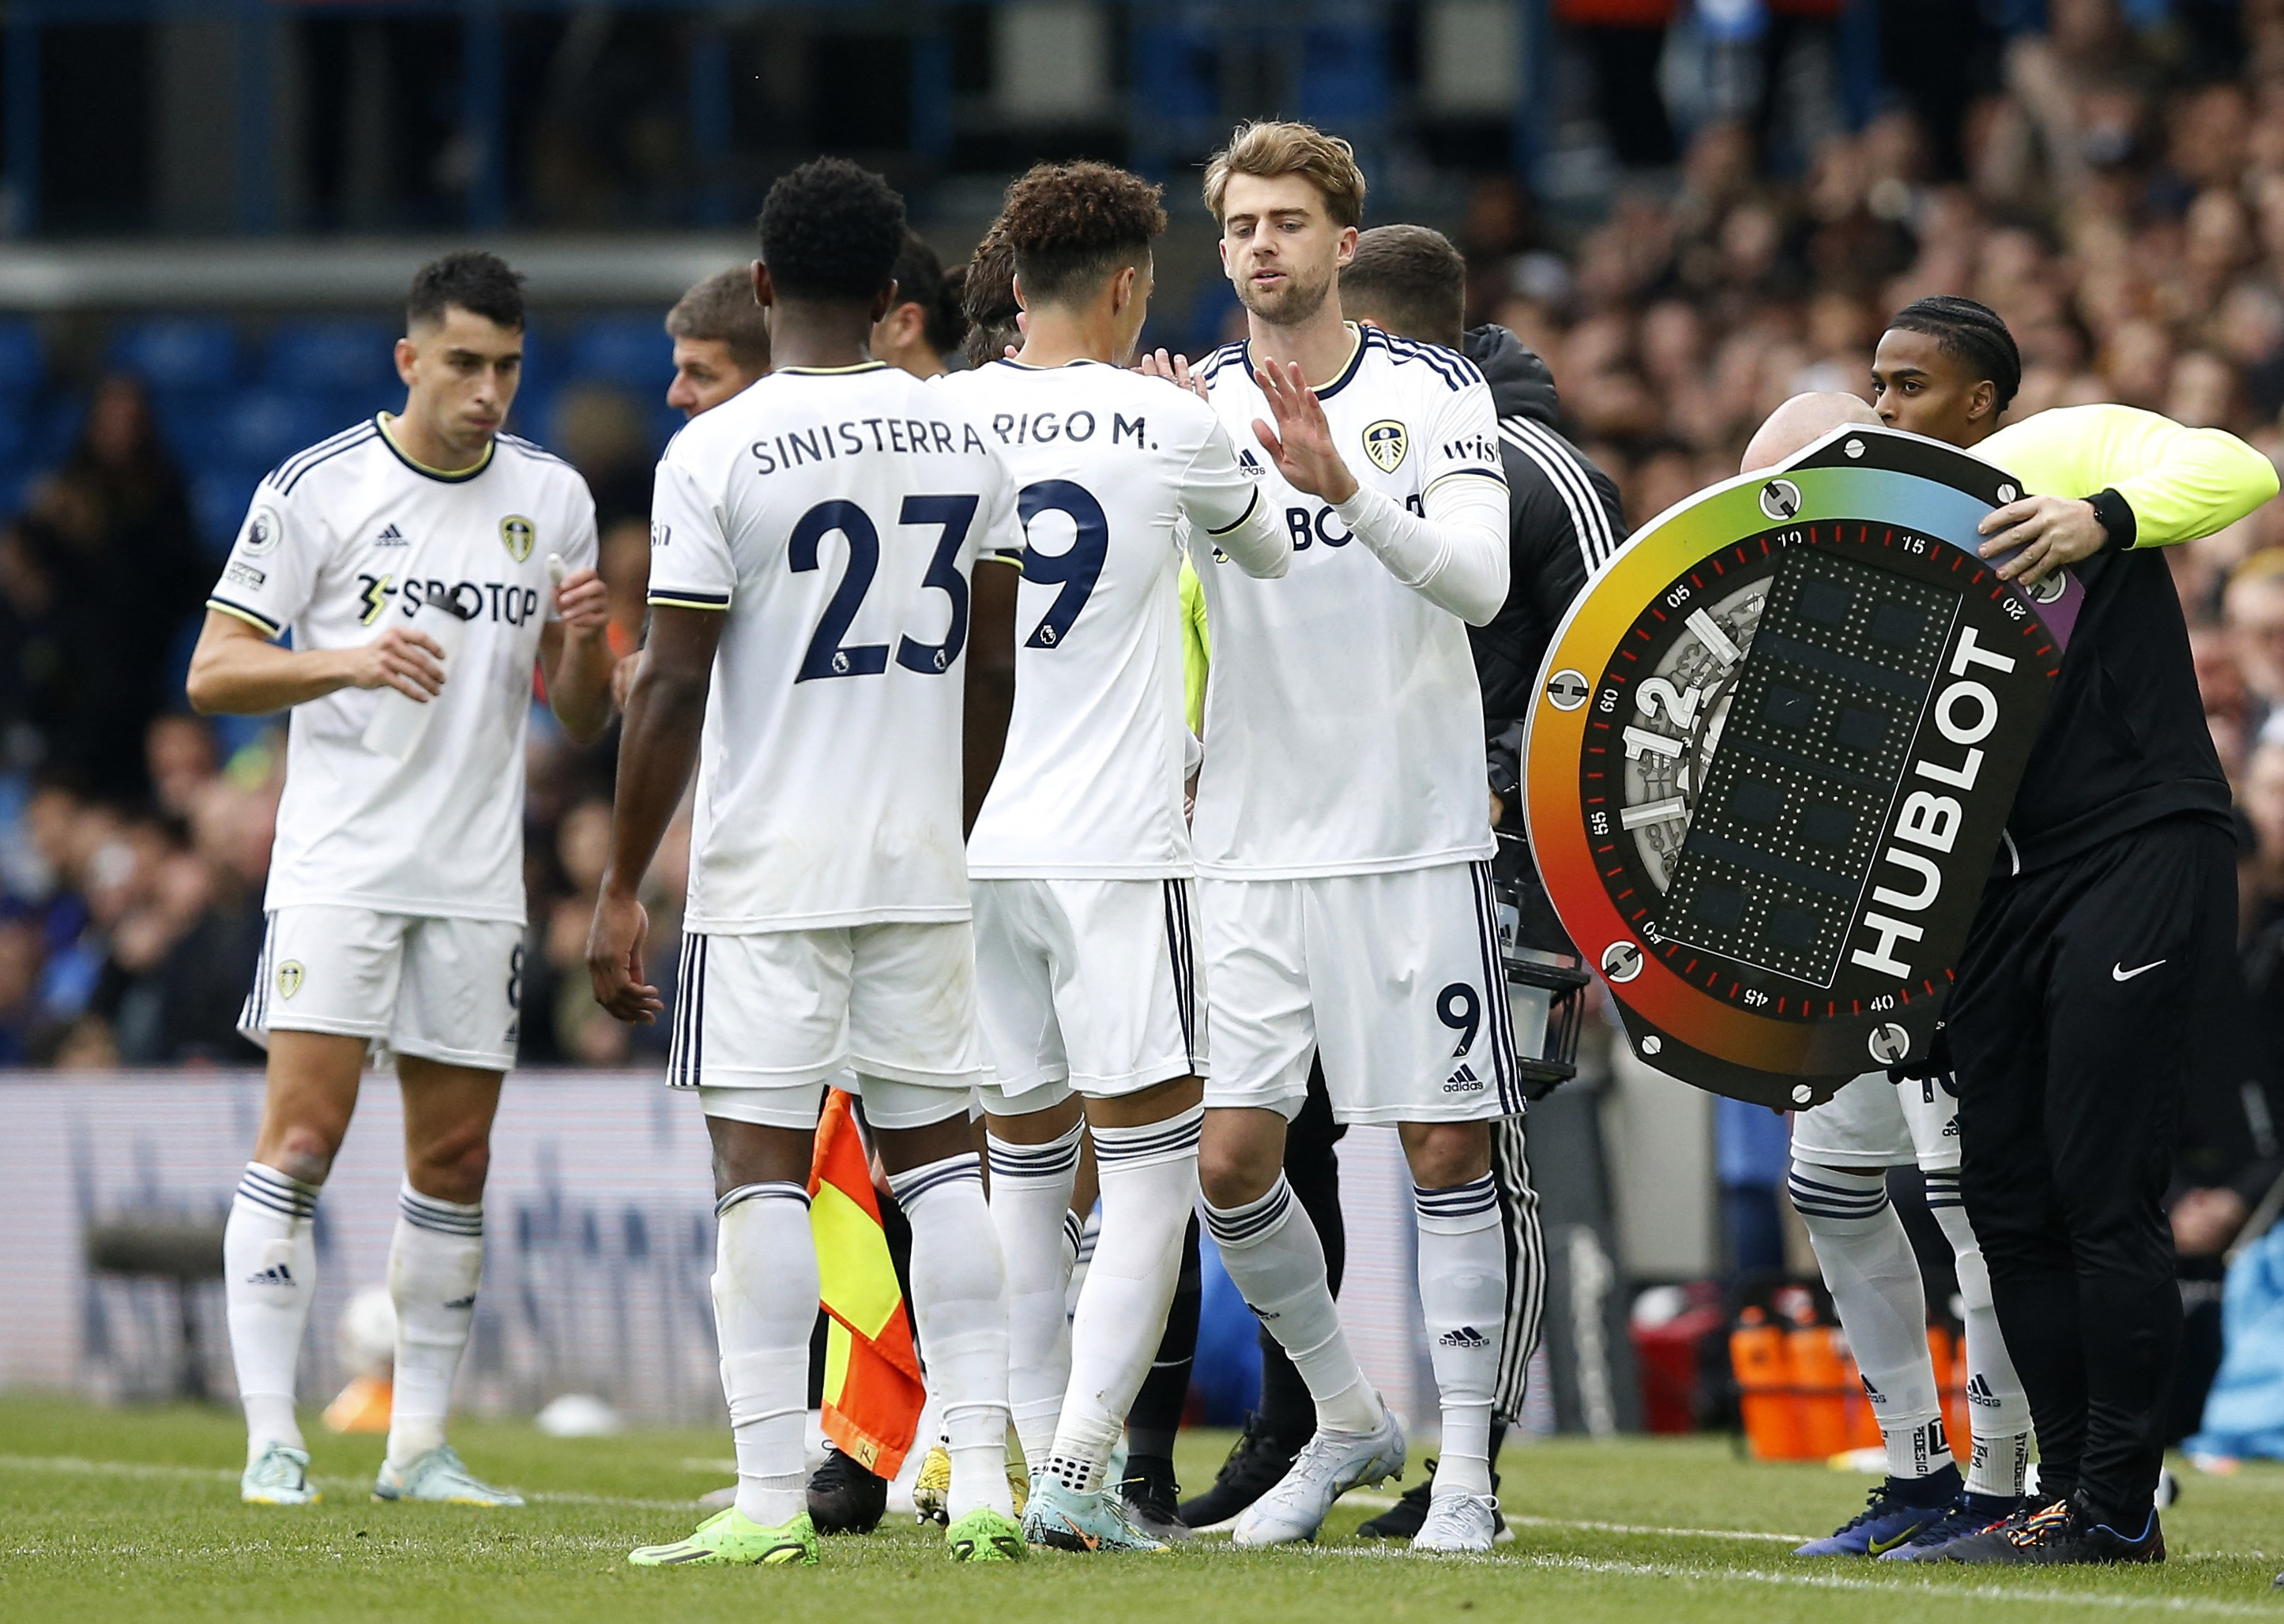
[(2081, 998)]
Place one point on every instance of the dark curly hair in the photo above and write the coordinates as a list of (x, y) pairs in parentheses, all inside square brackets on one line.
[(1970, 333), (477, 282), (987, 298), (832, 229), (922, 280), (1072, 224)]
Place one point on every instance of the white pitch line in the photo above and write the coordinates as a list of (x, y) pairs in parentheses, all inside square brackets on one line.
[(138, 1469), (1383, 1502)]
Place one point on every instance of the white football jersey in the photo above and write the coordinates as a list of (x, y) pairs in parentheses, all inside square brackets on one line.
[(1108, 465), (833, 515), (345, 539), (1344, 726)]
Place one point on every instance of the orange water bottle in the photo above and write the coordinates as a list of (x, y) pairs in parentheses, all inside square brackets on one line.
[(1757, 1353), (1821, 1378)]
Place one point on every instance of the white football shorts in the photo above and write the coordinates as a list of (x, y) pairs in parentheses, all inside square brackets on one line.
[(1085, 986), (446, 990), (1396, 978), (1874, 1123), (761, 1021)]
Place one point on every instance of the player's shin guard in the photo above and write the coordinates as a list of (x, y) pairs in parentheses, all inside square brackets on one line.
[(269, 1266), (1463, 1299), (1030, 1209), (1272, 1254), (2001, 1413), (959, 1298), (435, 1260), (1868, 1263), (1149, 1184), (765, 1293)]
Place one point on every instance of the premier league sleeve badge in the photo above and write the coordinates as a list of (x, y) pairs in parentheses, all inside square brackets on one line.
[(1772, 755)]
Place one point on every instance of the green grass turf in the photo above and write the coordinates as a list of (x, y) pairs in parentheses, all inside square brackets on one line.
[(119, 1514)]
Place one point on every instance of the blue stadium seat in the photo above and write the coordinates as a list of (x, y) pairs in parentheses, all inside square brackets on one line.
[(190, 423), (339, 357), (179, 354), (263, 427), (631, 350), (23, 360), (219, 498)]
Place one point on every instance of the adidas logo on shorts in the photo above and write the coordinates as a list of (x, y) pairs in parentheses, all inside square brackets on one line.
[(1463, 1081)]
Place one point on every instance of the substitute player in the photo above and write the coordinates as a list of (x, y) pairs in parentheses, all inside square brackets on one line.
[(396, 897), (1081, 859), (1342, 829), (813, 596)]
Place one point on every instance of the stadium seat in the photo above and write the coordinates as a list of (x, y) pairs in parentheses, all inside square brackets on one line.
[(263, 427), (179, 354), (343, 358), (23, 360), (631, 350), (219, 498)]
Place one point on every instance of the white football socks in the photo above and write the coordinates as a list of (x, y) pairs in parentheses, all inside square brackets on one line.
[(269, 1267), (765, 1294), (959, 1300), (1275, 1258), (1149, 1184), (435, 1260), (1463, 1299), (1867, 1264), (2000, 1459), (1030, 1209)]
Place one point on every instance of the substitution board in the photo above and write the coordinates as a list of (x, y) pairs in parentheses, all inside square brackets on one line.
[(1772, 755)]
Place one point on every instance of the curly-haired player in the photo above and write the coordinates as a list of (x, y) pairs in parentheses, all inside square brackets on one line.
[(1080, 862), (825, 873)]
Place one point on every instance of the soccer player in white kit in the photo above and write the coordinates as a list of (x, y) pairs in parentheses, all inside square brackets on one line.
[(814, 599), (1081, 859), (396, 897), (1343, 833)]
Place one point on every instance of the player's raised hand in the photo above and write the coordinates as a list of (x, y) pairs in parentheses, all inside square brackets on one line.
[(614, 960), (1175, 370), (411, 662), (1301, 442), (2044, 533)]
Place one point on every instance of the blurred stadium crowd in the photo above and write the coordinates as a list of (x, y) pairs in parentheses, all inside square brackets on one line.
[(2122, 207)]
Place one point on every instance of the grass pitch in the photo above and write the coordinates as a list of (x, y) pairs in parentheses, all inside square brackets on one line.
[(119, 1514)]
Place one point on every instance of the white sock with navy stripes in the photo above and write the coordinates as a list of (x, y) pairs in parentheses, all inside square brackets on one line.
[(2000, 1459), (1463, 1299), (960, 1301), (1868, 1266), (765, 1293), (270, 1272), (1277, 1261), (1030, 1209), (1149, 1184), (435, 1259)]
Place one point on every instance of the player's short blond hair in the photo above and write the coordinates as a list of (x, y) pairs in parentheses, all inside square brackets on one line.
[(1271, 147)]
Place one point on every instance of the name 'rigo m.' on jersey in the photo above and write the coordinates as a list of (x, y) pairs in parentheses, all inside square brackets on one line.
[(835, 516), (346, 538), (1117, 475), (1343, 724)]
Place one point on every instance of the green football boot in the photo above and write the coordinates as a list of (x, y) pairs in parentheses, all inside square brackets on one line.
[(984, 1535), (731, 1538)]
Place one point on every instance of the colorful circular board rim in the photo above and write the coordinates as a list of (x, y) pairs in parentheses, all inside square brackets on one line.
[(1588, 641)]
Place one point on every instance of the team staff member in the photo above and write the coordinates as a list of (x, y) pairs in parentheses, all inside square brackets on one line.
[(2083, 992)]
